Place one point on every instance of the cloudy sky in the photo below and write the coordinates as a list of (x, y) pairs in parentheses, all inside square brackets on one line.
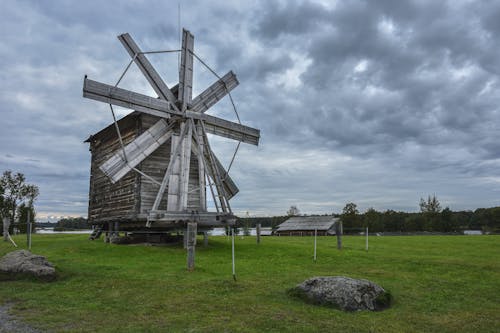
[(375, 102)]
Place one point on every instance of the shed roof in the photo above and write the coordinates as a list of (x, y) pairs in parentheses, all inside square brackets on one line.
[(308, 223)]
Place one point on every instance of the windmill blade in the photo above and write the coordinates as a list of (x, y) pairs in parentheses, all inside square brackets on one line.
[(186, 69), (215, 92), (147, 69), (228, 129), (161, 108), (121, 97), (136, 151), (229, 186)]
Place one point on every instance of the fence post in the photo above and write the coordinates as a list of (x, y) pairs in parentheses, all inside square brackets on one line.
[(338, 231), (257, 229), (315, 237)]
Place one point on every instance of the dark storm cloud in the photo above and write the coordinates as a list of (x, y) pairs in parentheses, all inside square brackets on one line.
[(377, 102)]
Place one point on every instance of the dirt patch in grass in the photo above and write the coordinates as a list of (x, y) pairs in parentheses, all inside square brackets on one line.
[(11, 324)]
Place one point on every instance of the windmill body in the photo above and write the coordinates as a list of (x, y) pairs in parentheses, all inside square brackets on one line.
[(153, 169)]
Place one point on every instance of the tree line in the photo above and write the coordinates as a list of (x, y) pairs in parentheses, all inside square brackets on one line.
[(431, 218)]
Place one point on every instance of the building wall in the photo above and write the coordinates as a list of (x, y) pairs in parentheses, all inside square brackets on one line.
[(107, 201), (156, 165), (302, 233)]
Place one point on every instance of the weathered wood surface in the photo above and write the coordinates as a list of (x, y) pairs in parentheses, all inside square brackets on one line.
[(137, 150), (147, 69), (200, 165), (161, 108), (191, 244), (215, 92), (229, 186), (185, 159), (107, 200), (186, 69)]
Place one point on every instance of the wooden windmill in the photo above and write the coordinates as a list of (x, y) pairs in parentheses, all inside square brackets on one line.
[(153, 167)]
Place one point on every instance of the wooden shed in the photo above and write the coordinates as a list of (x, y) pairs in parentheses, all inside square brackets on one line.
[(307, 225)]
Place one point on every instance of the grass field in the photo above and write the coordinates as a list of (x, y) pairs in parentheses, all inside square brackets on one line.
[(439, 284)]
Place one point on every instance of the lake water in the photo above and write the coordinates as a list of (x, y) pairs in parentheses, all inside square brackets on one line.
[(51, 231), (213, 232)]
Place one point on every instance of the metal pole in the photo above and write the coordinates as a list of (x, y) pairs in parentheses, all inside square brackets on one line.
[(232, 250), (315, 236), (366, 238)]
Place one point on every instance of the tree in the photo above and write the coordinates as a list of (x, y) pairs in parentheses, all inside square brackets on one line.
[(13, 191), (349, 216), (293, 211), (432, 205)]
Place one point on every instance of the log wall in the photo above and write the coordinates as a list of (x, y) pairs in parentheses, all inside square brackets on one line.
[(107, 201)]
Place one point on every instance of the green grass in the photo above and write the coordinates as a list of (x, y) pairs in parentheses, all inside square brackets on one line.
[(439, 284)]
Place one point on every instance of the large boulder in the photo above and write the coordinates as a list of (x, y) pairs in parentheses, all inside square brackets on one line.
[(342, 292), (22, 263)]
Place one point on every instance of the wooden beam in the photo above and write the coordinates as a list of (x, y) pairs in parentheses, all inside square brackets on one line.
[(125, 98), (215, 174), (170, 166), (191, 244), (161, 108), (229, 186), (228, 129), (201, 165), (215, 93), (185, 168), (186, 69), (147, 69), (136, 151)]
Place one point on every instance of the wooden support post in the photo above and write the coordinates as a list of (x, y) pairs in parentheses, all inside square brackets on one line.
[(258, 233), (315, 238), (117, 228), (338, 231), (191, 244), (205, 238), (185, 239), (109, 233)]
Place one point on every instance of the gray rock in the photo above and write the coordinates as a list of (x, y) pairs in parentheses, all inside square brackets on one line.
[(22, 263), (342, 292)]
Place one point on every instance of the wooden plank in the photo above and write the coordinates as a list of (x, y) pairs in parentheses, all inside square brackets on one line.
[(176, 143), (228, 129), (186, 69), (147, 69), (136, 151), (211, 166), (184, 168), (161, 108), (229, 186), (191, 244), (201, 167), (215, 93), (125, 98)]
